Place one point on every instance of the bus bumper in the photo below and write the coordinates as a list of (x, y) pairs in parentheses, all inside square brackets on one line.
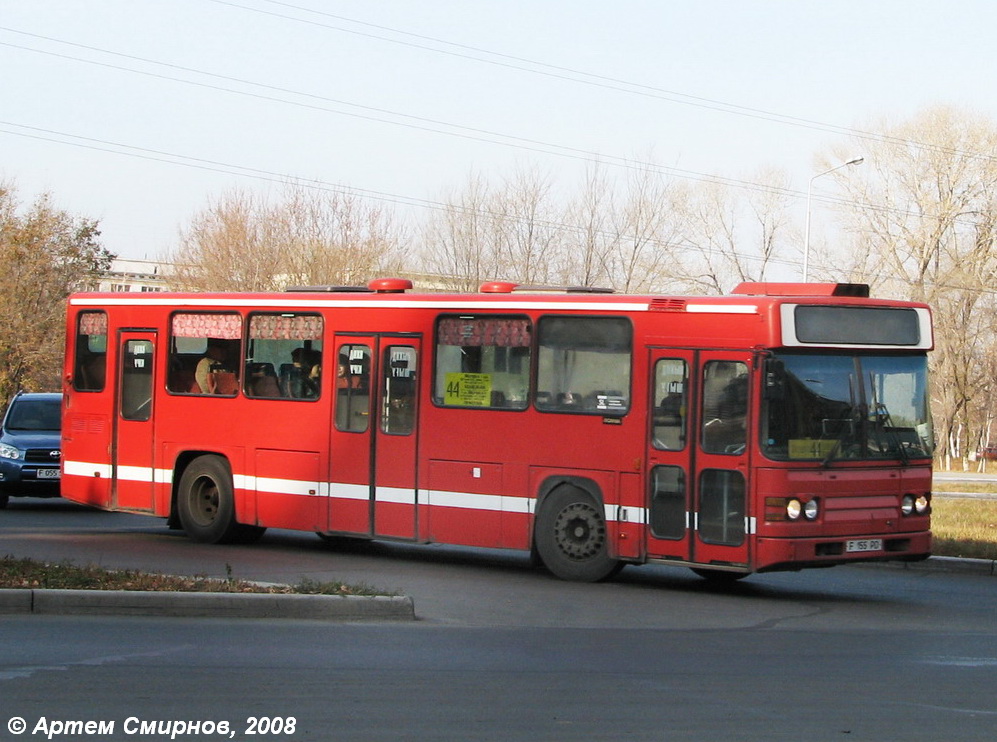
[(775, 554)]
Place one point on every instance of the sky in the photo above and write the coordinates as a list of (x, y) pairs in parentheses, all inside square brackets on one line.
[(139, 113)]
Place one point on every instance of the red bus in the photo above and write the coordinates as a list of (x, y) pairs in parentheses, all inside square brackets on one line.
[(782, 427)]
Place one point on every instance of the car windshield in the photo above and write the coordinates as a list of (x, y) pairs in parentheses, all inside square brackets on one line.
[(827, 407), (34, 414)]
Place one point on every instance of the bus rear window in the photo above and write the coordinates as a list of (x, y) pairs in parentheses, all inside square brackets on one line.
[(482, 362), (583, 365)]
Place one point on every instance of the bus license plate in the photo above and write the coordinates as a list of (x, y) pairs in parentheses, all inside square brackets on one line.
[(48, 473), (865, 544)]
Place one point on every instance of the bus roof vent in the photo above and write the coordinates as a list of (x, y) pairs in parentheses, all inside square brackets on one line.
[(860, 290), (390, 285), (331, 289), (564, 290), (497, 287), (667, 305)]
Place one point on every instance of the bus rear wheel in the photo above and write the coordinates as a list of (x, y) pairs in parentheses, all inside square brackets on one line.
[(206, 504), (572, 539)]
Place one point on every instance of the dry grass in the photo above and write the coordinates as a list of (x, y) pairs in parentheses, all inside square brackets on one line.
[(29, 574), (964, 527)]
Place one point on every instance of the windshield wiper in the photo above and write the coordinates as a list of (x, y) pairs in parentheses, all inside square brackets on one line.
[(854, 413), (885, 423)]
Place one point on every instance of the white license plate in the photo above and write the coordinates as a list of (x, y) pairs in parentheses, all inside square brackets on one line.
[(864, 544), (48, 474)]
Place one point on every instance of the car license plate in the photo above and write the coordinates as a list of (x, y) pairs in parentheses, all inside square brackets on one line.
[(864, 544), (48, 473)]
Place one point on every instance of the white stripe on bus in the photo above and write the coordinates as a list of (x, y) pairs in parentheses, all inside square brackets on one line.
[(353, 492)]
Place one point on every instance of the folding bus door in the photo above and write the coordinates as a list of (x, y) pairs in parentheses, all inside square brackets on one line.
[(670, 488), (132, 454), (372, 478), (697, 506), (722, 517)]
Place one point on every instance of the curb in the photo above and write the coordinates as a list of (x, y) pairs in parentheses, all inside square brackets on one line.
[(207, 605), (952, 565)]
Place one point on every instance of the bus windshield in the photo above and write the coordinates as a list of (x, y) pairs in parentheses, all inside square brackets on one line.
[(824, 407)]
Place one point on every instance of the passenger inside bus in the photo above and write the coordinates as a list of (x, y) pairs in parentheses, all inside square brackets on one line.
[(263, 380), (213, 374), (300, 378)]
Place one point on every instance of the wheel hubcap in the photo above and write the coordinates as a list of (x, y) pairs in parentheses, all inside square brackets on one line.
[(580, 532), (204, 502)]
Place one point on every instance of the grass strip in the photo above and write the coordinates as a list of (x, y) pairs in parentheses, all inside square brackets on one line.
[(29, 574)]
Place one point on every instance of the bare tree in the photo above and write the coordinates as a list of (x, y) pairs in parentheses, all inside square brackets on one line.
[(586, 257), (459, 240), (643, 254), (733, 235), (924, 213), (245, 242)]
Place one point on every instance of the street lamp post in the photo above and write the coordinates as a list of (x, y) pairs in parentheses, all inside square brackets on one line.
[(810, 189)]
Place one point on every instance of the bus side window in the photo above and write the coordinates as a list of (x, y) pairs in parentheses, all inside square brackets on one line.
[(90, 367), (583, 365), (482, 362), (204, 353), (284, 358)]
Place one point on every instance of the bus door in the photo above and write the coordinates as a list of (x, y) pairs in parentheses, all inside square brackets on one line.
[(669, 506), (722, 521), (697, 477), (132, 450), (373, 451)]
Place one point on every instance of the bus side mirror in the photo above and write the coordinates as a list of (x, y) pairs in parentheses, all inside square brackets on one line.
[(775, 380)]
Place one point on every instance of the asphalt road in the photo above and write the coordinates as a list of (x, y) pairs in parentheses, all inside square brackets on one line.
[(501, 651)]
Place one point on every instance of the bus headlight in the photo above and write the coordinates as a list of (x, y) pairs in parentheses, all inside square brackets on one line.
[(907, 504), (921, 504), (793, 509), (811, 509)]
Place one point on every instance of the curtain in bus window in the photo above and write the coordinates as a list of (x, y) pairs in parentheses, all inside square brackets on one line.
[(482, 362), (583, 365), (725, 407), (90, 366), (222, 326)]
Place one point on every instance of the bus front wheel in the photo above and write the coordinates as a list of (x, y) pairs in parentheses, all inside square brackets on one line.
[(572, 539), (206, 504)]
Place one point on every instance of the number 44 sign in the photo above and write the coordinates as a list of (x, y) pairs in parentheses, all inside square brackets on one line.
[(468, 390)]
